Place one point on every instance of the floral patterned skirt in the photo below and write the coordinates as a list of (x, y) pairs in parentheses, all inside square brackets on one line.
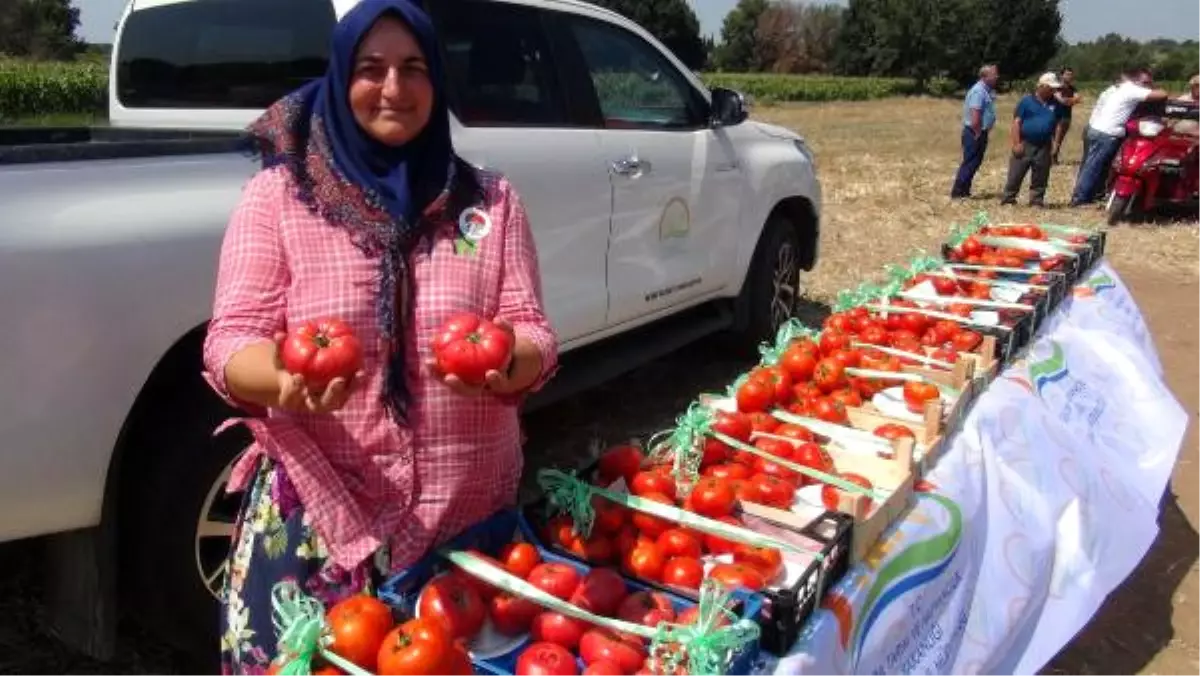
[(273, 541)]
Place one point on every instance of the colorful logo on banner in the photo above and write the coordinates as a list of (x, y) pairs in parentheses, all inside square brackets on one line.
[(1041, 372), (913, 566), (1094, 286)]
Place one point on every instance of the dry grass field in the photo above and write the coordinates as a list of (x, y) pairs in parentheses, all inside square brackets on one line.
[(886, 168)]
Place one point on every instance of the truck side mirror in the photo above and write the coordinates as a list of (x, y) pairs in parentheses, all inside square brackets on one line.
[(728, 107)]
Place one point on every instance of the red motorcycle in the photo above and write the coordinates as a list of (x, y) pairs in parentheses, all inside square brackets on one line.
[(1155, 166)]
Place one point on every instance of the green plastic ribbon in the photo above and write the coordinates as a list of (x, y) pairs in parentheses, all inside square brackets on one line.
[(790, 331), (959, 233), (553, 481), (299, 622), (683, 446), (568, 494), (710, 647)]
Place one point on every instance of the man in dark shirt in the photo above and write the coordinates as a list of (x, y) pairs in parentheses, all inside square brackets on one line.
[(1033, 127), (1068, 98)]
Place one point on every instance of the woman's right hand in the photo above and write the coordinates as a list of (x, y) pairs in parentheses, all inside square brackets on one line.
[(295, 396)]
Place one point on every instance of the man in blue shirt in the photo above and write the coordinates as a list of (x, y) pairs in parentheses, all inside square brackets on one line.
[(979, 115), (1032, 136)]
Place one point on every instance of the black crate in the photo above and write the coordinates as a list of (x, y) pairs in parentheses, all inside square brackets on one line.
[(785, 609)]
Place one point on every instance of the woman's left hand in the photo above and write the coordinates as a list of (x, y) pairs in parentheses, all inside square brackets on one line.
[(496, 382)]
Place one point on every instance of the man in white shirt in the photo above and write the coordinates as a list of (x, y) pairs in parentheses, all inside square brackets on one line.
[(1106, 130)]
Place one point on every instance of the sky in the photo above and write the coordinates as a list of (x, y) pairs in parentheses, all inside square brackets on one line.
[(1083, 19)]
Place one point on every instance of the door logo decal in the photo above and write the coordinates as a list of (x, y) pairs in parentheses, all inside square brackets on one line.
[(676, 220)]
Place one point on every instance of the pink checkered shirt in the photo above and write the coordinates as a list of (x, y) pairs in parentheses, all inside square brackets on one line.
[(365, 481)]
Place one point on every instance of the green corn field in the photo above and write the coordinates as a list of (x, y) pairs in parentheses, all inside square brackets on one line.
[(40, 89)]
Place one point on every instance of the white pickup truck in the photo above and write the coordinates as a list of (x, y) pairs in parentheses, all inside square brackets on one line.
[(661, 214)]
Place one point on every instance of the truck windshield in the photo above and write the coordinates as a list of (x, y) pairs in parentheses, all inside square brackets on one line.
[(221, 53)]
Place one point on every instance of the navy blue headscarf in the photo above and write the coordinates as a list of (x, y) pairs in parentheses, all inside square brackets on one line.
[(377, 193)]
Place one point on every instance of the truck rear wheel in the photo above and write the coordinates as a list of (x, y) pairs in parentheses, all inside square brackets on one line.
[(177, 522)]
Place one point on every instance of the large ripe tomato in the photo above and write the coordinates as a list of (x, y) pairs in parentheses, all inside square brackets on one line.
[(813, 456), (745, 491), (735, 575), (716, 545), (620, 462), (601, 592), (520, 558), (469, 346), (735, 425), (712, 497), (321, 351), (511, 615), (546, 659), (419, 646), (729, 471), (778, 379), (766, 560), (874, 335), (917, 393), (762, 422), (799, 362), (679, 542), (646, 607), (966, 340), (455, 605), (556, 579), (358, 625), (645, 561), (831, 494), (597, 548), (891, 431), (775, 492), (831, 410), (683, 571), (557, 628), (714, 453), (830, 375), (755, 395), (833, 340), (602, 668), (645, 483), (916, 323), (604, 645), (839, 321)]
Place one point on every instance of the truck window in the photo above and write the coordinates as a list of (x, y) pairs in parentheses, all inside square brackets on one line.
[(499, 66), (221, 53), (636, 86)]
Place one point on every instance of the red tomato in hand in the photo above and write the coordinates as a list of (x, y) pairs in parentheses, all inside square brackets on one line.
[(557, 628), (556, 579), (545, 659), (358, 625), (468, 346), (712, 497), (604, 645), (455, 605), (620, 462), (683, 571), (520, 558), (601, 592), (321, 351), (419, 646), (646, 607)]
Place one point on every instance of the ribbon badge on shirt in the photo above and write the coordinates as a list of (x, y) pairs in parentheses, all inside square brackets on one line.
[(473, 225)]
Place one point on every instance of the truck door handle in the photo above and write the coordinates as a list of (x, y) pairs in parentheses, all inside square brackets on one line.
[(631, 166)]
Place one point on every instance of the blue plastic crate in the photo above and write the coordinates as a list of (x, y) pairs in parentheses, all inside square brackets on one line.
[(401, 591)]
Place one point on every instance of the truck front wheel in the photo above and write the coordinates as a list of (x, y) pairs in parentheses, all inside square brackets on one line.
[(774, 284)]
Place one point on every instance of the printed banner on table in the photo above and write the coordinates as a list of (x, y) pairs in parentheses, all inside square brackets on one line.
[(1045, 502)]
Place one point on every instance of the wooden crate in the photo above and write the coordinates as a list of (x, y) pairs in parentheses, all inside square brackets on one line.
[(894, 475)]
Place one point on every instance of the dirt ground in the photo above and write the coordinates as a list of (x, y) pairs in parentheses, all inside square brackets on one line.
[(886, 168)]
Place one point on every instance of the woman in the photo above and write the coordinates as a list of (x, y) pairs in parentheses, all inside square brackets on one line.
[(363, 212)]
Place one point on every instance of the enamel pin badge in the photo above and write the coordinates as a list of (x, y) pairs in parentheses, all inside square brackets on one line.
[(473, 225)]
